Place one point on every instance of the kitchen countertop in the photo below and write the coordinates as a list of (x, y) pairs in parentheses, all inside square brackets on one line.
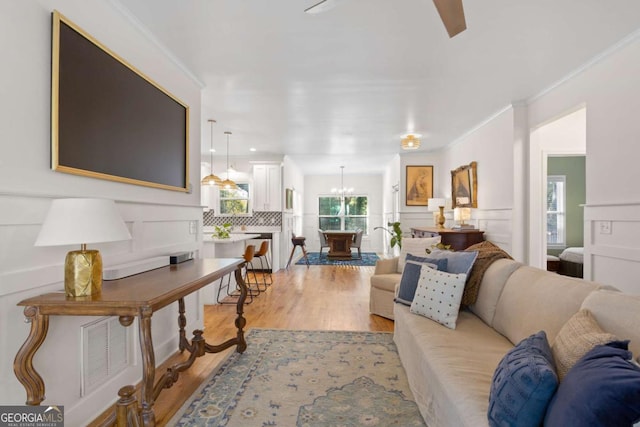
[(251, 229), (235, 237)]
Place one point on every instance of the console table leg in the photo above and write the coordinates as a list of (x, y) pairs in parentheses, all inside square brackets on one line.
[(240, 321), (23, 363), (183, 343), (148, 367), (127, 408)]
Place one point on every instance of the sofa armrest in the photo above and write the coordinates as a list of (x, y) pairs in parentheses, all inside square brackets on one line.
[(386, 266)]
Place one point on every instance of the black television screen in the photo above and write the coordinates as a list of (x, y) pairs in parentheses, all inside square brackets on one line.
[(110, 121)]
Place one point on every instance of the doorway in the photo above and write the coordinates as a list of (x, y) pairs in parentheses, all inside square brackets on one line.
[(564, 136)]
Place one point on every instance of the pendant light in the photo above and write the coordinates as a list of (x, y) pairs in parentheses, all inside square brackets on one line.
[(227, 184), (211, 179)]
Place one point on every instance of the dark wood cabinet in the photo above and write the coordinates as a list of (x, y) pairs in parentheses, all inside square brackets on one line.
[(459, 239)]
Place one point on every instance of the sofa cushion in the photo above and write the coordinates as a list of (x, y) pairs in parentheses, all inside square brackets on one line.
[(387, 282), (576, 338), (411, 276), (617, 313), (535, 300), (449, 371), (438, 296), (458, 262), (491, 286), (523, 384), (602, 389), (415, 246)]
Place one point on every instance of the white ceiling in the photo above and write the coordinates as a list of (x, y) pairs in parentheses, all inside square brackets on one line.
[(342, 87)]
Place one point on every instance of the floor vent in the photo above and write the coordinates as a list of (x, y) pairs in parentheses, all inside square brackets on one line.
[(105, 352)]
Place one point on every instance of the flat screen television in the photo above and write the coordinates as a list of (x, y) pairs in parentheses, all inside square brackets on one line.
[(109, 120)]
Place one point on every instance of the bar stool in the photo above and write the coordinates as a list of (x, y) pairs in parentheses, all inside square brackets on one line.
[(263, 253), (298, 241), (251, 292)]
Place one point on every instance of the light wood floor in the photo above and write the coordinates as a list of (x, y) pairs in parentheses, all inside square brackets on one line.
[(313, 298)]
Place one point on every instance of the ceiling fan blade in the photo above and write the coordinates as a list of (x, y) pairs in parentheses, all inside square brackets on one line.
[(321, 6), (452, 15)]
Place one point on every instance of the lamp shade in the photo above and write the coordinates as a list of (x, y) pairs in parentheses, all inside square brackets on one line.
[(433, 205), (82, 221), (461, 214)]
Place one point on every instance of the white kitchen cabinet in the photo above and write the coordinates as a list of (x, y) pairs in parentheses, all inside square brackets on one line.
[(267, 191)]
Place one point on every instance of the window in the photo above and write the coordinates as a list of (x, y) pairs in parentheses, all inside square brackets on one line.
[(556, 203), (348, 213), (235, 201)]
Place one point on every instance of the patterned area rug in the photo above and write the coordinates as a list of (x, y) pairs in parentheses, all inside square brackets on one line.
[(306, 378), (368, 259)]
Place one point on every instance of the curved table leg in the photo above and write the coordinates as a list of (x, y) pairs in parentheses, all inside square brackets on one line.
[(148, 367), (23, 363)]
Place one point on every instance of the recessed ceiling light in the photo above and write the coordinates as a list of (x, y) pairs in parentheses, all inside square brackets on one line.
[(213, 150), (252, 149)]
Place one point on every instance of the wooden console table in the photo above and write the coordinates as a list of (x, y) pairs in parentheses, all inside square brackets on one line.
[(339, 244), (135, 296), (459, 239)]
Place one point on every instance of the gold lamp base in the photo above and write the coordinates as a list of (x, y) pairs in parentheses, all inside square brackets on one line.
[(83, 273), (441, 218)]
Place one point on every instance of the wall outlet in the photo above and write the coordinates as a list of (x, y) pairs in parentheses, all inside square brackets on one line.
[(605, 227), (193, 227)]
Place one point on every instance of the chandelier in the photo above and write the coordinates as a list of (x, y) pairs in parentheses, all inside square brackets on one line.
[(342, 190), (410, 142)]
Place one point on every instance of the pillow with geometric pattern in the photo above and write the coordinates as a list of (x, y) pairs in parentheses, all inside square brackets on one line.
[(438, 296)]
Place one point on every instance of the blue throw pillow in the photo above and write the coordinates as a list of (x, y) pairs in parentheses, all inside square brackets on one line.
[(601, 389), (458, 262), (523, 384), (411, 274)]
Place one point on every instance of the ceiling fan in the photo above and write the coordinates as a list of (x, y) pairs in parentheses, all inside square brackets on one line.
[(451, 13)]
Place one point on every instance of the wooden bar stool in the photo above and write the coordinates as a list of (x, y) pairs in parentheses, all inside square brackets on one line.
[(298, 241), (263, 253), (249, 252)]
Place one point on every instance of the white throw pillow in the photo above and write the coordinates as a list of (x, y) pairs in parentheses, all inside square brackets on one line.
[(417, 247), (438, 296)]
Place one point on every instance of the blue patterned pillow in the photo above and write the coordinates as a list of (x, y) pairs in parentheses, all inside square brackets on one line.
[(523, 384), (411, 274), (458, 262), (601, 389)]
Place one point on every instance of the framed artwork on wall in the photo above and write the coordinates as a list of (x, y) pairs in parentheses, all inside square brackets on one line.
[(464, 186), (419, 185)]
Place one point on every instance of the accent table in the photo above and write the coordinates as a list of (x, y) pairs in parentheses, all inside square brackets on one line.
[(459, 239), (134, 296)]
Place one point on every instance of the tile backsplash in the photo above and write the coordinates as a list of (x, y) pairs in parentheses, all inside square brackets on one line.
[(258, 219)]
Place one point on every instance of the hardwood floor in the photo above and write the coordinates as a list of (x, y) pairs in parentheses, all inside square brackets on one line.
[(312, 298)]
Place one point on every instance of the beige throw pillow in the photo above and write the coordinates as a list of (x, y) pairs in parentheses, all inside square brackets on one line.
[(576, 338), (417, 247)]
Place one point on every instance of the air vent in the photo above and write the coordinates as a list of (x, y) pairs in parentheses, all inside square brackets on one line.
[(105, 345)]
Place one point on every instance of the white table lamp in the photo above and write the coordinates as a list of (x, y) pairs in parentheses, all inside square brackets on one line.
[(80, 222), (461, 215), (437, 205)]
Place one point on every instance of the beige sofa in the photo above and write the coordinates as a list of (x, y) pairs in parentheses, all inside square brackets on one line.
[(450, 371)]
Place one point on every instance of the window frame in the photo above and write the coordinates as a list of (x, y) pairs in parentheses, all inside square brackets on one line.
[(247, 198), (560, 212), (341, 215)]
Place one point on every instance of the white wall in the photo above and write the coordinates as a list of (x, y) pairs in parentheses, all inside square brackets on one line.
[(159, 220), (364, 185), (610, 90)]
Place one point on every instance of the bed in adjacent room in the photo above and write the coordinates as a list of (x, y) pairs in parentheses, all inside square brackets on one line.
[(571, 262)]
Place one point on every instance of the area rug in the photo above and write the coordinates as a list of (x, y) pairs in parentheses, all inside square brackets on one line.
[(306, 378), (368, 259)]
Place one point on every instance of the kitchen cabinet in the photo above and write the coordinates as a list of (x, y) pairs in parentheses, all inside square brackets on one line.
[(267, 191)]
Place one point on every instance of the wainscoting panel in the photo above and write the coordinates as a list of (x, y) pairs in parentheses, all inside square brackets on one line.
[(26, 270), (612, 245)]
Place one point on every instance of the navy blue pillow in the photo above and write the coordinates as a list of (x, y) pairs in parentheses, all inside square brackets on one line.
[(523, 384), (411, 275), (601, 389)]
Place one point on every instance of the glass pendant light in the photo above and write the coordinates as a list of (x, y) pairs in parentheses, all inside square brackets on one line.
[(211, 179), (227, 184)]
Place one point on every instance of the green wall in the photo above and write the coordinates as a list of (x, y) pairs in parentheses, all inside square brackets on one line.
[(574, 169)]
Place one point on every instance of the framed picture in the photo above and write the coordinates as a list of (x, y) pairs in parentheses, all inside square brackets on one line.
[(288, 197), (464, 186), (419, 185)]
